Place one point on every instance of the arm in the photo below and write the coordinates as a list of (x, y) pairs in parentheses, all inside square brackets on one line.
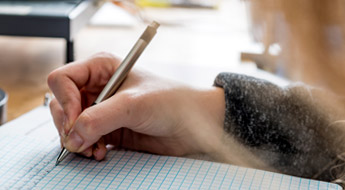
[(289, 129), (265, 126)]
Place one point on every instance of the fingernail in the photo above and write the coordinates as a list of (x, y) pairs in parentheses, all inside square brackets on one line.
[(73, 141)]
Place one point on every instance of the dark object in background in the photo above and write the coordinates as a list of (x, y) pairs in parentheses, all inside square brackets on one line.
[(3, 107), (46, 18)]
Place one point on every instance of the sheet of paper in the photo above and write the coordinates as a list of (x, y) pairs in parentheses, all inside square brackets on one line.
[(24, 161), (29, 163), (37, 123), (132, 170)]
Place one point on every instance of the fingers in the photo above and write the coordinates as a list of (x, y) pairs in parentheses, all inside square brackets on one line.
[(99, 150), (91, 74), (99, 120), (66, 92), (58, 116)]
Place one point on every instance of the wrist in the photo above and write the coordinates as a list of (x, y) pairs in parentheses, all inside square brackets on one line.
[(209, 130), (215, 142)]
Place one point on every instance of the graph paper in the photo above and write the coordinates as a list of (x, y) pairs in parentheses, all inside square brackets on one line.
[(29, 163), (24, 161), (132, 170)]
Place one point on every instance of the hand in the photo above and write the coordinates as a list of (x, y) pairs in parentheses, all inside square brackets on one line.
[(147, 113)]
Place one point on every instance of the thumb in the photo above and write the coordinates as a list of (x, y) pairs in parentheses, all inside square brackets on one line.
[(96, 121)]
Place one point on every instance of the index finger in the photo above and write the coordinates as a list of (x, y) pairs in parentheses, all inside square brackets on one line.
[(67, 81)]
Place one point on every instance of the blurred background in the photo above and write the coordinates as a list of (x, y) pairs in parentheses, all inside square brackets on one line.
[(196, 40), (294, 40)]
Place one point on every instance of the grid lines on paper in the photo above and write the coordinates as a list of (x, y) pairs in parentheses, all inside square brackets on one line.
[(23, 160), (130, 170), (29, 163), (133, 170)]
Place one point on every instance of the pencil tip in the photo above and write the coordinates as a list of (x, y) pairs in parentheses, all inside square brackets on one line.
[(64, 152)]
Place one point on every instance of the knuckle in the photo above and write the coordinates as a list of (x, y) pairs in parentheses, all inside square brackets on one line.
[(55, 76), (104, 56), (52, 78)]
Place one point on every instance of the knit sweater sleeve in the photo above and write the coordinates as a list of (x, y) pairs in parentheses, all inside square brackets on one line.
[(281, 125)]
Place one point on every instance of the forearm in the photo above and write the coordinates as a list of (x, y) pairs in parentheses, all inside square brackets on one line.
[(283, 128)]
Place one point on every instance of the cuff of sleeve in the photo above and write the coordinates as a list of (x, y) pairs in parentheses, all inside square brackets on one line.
[(223, 81)]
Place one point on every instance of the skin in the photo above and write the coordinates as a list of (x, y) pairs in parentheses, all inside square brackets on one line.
[(148, 113)]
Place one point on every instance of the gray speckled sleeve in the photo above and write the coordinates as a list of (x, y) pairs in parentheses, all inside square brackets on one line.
[(279, 125)]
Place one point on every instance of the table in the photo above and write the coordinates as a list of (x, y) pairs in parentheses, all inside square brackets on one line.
[(51, 18)]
